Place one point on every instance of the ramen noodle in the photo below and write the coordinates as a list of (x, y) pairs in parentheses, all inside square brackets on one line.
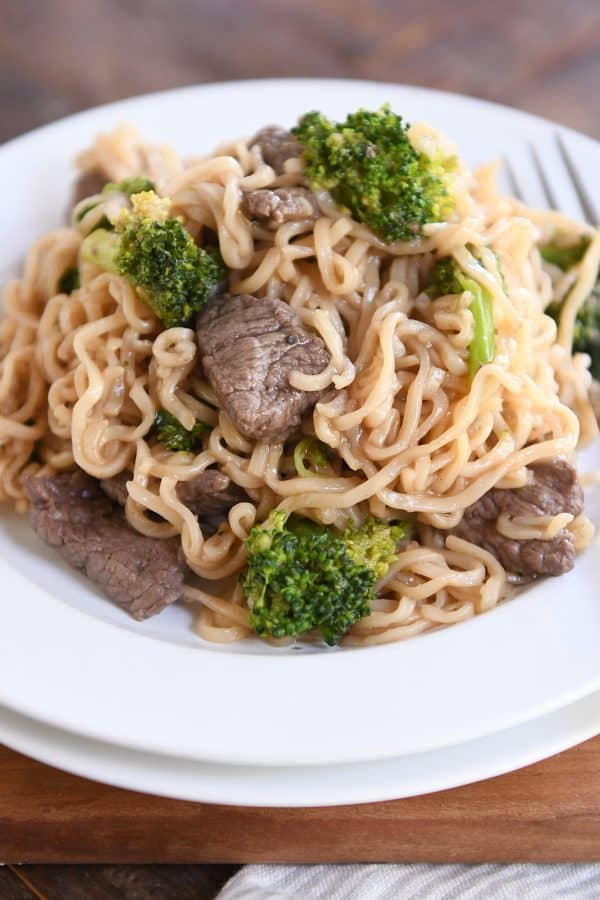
[(82, 376)]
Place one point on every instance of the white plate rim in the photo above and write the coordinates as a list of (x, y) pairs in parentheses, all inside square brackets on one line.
[(64, 643)]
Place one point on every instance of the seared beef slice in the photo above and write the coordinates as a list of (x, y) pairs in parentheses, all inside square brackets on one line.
[(276, 207), (276, 146), (210, 495), (70, 512), (115, 487), (248, 349), (553, 489)]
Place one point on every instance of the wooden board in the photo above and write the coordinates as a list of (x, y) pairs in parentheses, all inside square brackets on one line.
[(550, 811), (71, 55)]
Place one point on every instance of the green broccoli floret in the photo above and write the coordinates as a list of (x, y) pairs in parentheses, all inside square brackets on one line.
[(565, 256), (128, 186), (370, 168), (159, 257), (172, 435), (374, 543), (68, 281), (445, 278), (135, 184), (448, 278), (310, 456), (586, 334), (302, 576)]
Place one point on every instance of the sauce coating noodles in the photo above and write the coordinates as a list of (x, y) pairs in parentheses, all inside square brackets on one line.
[(82, 376)]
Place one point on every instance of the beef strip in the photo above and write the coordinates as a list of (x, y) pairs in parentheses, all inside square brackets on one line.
[(276, 146), (88, 184), (210, 495), (281, 205), (553, 489), (70, 512), (248, 348), (115, 487)]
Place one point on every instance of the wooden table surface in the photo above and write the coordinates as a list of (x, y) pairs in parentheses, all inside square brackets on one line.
[(61, 56)]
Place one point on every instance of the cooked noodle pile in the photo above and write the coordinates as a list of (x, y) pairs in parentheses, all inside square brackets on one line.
[(82, 376)]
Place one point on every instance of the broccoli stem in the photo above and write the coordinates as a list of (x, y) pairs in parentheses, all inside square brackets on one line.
[(448, 278), (101, 248), (482, 346)]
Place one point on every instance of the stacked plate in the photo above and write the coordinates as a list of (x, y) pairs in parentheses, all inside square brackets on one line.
[(149, 706)]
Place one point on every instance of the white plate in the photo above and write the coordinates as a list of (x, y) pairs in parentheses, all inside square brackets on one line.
[(368, 782), (72, 660)]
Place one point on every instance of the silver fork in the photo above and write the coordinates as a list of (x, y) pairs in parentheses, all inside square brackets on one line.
[(548, 176)]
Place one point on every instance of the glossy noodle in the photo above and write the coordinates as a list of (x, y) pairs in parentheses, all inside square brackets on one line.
[(408, 432)]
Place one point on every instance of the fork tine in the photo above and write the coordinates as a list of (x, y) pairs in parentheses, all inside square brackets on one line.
[(513, 183), (524, 176), (589, 213), (543, 175), (545, 181), (555, 179)]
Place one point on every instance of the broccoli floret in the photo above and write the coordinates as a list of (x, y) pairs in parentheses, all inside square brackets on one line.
[(444, 278), (302, 576), (374, 543), (68, 281), (370, 168), (172, 435), (586, 334), (132, 185), (159, 257), (310, 456), (565, 256), (128, 186), (448, 278)]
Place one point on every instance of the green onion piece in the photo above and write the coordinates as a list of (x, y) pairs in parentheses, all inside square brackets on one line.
[(310, 455)]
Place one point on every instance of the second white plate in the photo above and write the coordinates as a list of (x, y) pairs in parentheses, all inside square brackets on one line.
[(300, 786), (69, 658)]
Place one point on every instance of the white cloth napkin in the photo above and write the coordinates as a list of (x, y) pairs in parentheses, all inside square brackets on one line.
[(415, 881)]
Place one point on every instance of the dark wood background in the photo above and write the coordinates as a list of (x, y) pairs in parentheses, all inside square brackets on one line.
[(60, 56)]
